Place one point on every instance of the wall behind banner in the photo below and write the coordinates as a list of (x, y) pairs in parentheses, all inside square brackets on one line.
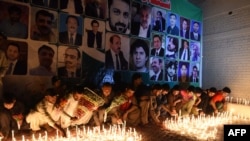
[(94, 65)]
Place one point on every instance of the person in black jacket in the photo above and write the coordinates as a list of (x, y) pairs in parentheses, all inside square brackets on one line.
[(94, 37)]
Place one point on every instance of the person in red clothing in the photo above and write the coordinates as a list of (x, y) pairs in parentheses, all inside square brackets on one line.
[(218, 101)]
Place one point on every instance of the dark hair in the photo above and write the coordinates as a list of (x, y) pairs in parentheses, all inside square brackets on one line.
[(198, 90), (14, 8), (165, 87), (226, 89), (110, 2), (45, 47), (139, 43), (112, 38), (172, 14), (50, 92), (213, 90), (94, 21), (156, 35), (176, 87), (54, 79), (44, 13), (156, 87), (72, 16), (8, 97), (171, 63), (14, 44), (191, 88), (159, 12)]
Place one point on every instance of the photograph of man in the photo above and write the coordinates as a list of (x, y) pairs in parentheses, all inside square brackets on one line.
[(17, 66), (159, 22), (142, 28), (114, 56), (15, 25), (183, 72), (184, 24), (195, 51), (171, 71), (95, 8), (46, 3), (72, 6), (172, 47), (45, 57), (43, 29), (73, 33), (194, 77), (139, 55), (157, 49), (94, 37), (118, 16), (72, 63), (173, 29), (156, 72), (195, 33), (184, 53)]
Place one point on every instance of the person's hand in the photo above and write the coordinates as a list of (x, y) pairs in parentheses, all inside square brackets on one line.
[(125, 115)]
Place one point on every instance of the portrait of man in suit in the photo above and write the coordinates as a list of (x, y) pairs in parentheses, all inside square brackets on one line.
[(194, 77), (171, 71), (195, 34), (72, 6), (94, 8), (71, 36), (72, 63), (156, 69), (16, 65), (118, 16), (94, 37), (157, 50), (142, 28), (46, 3), (173, 29), (114, 57), (184, 53), (184, 24)]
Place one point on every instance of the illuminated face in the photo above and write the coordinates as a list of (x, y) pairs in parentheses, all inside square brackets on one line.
[(77, 96), (106, 90), (71, 59), (72, 25), (46, 57), (51, 99), (157, 43), (185, 44), (129, 92), (171, 45), (119, 16), (139, 58), (12, 52), (9, 105), (44, 24), (183, 70), (116, 44)]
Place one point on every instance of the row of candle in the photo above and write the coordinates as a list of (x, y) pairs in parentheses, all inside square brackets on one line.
[(203, 127), (238, 100), (113, 133)]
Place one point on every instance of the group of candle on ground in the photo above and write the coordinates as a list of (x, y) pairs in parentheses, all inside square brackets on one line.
[(238, 100), (203, 127), (112, 133)]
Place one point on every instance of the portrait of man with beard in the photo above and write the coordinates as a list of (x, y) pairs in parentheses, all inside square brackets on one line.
[(72, 62), (119, 16), (172, 47)]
